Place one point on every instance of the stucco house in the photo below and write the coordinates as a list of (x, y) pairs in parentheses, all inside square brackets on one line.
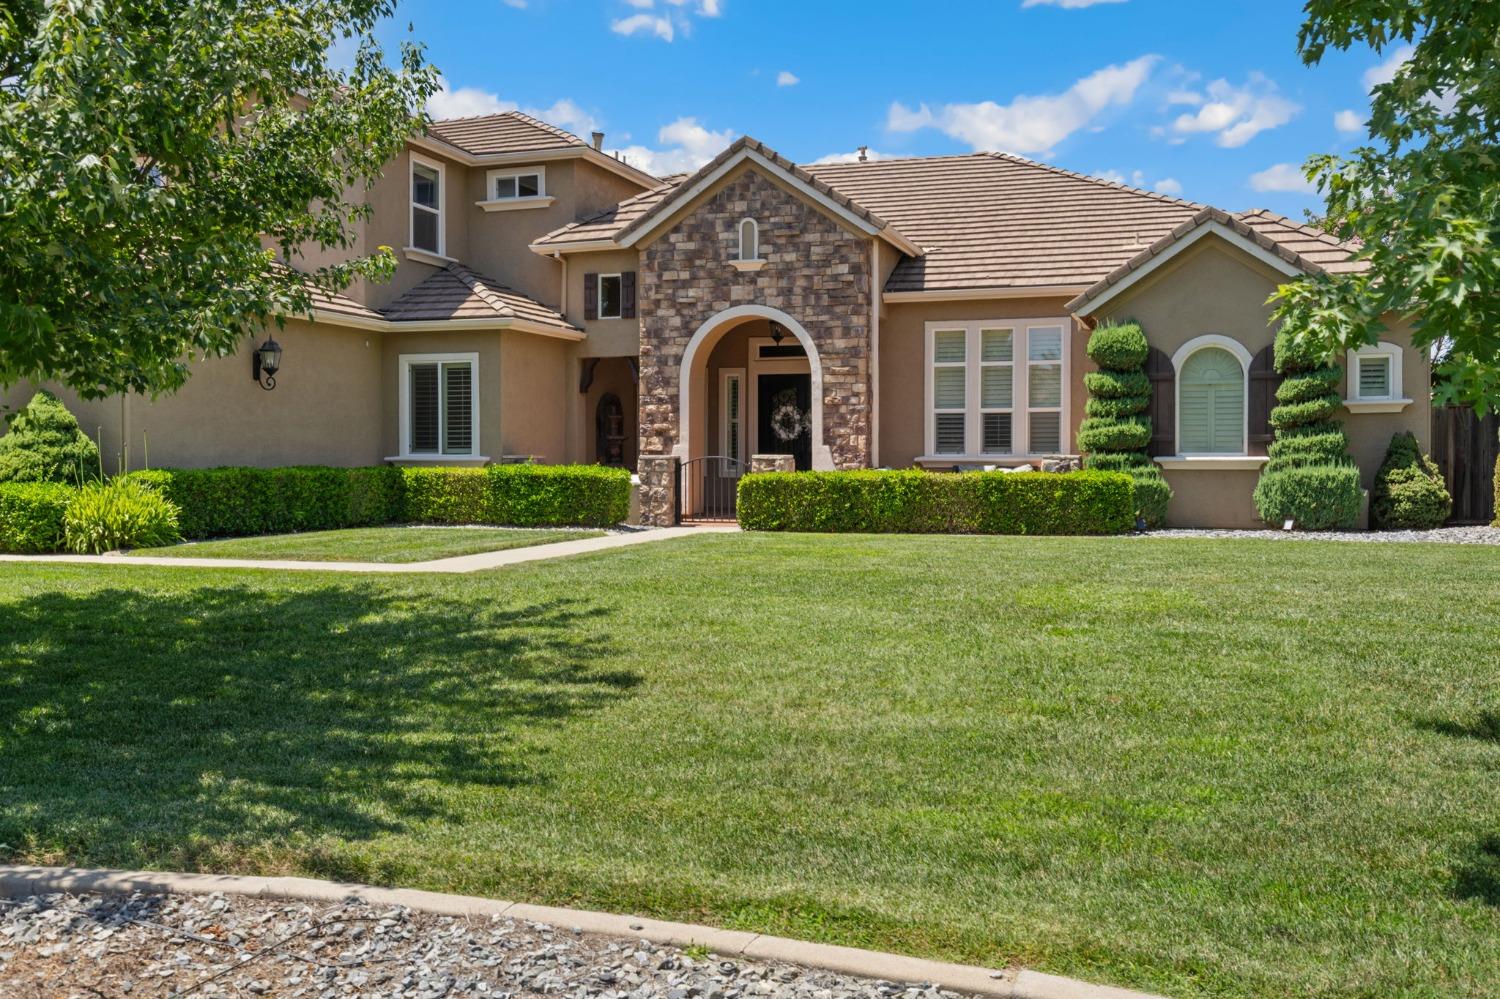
[(557, 304)]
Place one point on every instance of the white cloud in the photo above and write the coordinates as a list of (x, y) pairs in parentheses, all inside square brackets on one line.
[(1183, 95), (1029, 124), (1168, 185), (465, 102), (786, 78), (1348, 121), (853, 157), (1283, 177), (687, 146), (1238, 114), (517, 4), (1137, 178), (636, 24), (1066, 4), (1385, 72), (641, 4)]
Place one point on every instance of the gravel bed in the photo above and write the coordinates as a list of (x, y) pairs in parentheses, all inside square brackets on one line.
[(149, 945), (1479, 535)]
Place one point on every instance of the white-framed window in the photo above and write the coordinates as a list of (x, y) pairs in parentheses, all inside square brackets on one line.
[(1375, 373), (732, 413), (513, 185), (427, 230), (611, 296), (749, 233), (997, 388), (439, 405), (1213, 392)]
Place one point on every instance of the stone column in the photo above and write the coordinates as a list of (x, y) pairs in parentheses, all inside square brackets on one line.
[(773, 463), (658, 475)]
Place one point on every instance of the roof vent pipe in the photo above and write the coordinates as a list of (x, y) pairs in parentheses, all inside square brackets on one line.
[(864, 153), (599, 140)]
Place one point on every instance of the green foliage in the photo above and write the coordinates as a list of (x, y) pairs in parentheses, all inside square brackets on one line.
[(1118, 348), (518, 495), (124, 512), (445, 495), (45, 444), (1115, 384), (1116, 432), (1409, 490), (1422, 196), (1314, 497), (31, 515), (153, 149), (234, 501), (1310, 479), (917, 502)]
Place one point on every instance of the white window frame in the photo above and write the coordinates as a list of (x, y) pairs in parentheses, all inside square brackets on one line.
[(740, 261), (1392, 403), (405, 363), (1241, 354), (492, 202), (599, 296), (413, 207), (1020, 396), (727, 375), (981, 409)]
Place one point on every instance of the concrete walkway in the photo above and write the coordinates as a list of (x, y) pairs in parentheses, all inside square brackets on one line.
[(1009, 983), (458, 564)]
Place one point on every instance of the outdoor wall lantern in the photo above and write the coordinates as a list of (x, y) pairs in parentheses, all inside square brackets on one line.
[(777, 334), (265, 362)]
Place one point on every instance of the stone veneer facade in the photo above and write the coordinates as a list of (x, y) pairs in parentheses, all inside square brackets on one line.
[(817, 272)]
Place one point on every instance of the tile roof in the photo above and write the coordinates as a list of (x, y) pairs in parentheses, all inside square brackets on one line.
[(507, 132), (1301, 246), (609, 223), (458, 292)]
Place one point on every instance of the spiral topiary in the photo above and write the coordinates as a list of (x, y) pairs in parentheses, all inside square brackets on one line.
[(1116, 429), (1310, 479)]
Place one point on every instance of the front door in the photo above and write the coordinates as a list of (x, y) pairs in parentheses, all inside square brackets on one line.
[(783, 406)]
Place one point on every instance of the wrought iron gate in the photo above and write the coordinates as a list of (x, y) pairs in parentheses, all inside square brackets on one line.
[(706, 488)]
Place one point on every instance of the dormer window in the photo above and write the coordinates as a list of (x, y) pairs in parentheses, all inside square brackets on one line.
[(511, 189), (748, 256)]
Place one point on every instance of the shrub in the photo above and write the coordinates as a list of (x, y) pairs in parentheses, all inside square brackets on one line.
[(1409, 490), (1116, 432), (31, 515), (1314, 497), (916, 502), (1310, 479), (235, 501), (445, 495), (558, 495), (45, 444), (124, 512)]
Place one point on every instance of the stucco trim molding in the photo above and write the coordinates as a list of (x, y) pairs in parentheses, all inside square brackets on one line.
[(1376, 406), (377, 325), (822, 455), (1211, 463), (516, 204), (981, 294)]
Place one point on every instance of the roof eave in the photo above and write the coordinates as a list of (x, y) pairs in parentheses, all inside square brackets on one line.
[(499, 323), (442, 147)]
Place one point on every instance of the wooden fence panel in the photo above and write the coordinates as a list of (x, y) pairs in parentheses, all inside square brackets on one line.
[(1466, 448)]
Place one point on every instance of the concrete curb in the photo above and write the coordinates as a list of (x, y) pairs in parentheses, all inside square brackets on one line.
[(18, 880), (456, 564)]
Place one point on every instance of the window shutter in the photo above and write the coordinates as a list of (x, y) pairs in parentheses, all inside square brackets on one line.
[(1263, 384), (590, 296), (1163, 409), (627, 295)]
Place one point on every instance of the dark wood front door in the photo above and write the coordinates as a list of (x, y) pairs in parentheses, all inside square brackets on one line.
[(783, 408)]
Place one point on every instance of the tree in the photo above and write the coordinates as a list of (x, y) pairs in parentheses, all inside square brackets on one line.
[(153, 156), (1423, 196), (44, 443), (1116, 429)]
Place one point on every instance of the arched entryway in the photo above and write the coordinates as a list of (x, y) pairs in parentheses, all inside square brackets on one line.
[(766, 361)]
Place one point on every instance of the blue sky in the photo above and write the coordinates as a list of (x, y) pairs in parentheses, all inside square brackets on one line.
[(1205, 99)]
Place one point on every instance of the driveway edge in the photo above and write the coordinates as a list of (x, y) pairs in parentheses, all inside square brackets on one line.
[(1010, 984)]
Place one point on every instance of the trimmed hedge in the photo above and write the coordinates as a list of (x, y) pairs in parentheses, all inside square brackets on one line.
[(234, 501), (32, 516), (917, 502), (1117, 384), (1409, 491), (1315, 498)]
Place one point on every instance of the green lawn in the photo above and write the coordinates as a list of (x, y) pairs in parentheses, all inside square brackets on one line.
[(1202, 768), (372, 544)]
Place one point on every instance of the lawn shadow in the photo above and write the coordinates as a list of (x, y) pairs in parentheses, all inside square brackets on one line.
[(141, 727), (1478, 877), (1485, 726)]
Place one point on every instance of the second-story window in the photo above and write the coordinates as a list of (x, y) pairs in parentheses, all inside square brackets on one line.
[(512, 186), (611, 300), (426, 205)]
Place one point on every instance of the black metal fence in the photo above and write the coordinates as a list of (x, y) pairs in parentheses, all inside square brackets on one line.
[(706, 488)]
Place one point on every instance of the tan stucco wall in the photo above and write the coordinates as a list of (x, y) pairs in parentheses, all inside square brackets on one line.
[(1216, 288), (538, 380), (606, 337), (486, 344), (903, 327), (324, 410)]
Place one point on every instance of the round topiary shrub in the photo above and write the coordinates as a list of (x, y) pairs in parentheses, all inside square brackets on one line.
[(124, 512), (45, 444), (1310, 479), (1116, 430), (1409, 490)]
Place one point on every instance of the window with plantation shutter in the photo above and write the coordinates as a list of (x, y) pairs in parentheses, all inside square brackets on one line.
[(439, 405), (1211, 403), (1374, 377), (732, 419), (950, 377), (1044, 388), (1374, 374), (997, 388)]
